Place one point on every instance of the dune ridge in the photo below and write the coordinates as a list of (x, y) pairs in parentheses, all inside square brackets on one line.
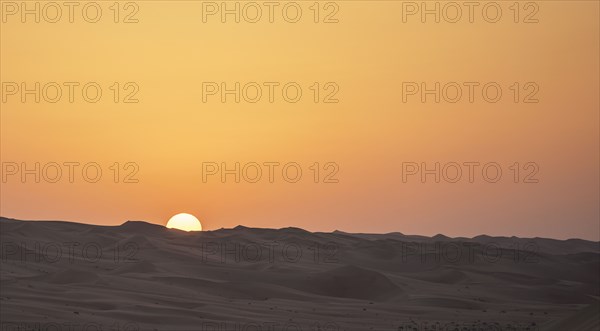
[(146, 277)]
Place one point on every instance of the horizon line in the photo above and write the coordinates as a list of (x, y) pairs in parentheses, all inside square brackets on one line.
[(294, 227)]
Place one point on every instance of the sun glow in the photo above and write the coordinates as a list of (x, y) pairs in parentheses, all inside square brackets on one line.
[(185, 222)]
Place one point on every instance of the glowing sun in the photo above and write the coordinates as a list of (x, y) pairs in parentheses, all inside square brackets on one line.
[(185, 222)]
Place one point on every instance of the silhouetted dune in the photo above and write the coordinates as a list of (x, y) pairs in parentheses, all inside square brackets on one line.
[(144, 275), (141, 227)]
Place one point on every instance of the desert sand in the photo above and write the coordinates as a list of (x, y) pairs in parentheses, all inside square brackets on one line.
[(140, 276)]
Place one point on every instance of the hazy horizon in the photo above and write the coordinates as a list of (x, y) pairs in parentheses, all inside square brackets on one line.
[(309, 230)]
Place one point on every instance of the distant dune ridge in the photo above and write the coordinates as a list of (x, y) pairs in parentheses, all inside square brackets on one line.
[(142, 276)]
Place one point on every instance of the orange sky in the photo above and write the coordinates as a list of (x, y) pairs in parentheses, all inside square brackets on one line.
[(369, 133)]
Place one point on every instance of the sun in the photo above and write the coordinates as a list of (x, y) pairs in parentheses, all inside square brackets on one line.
[(185, 222)]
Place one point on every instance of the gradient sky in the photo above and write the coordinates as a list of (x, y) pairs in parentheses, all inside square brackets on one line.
[(369, 133)]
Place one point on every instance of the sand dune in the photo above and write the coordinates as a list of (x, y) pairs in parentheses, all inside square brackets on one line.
[(141, 276)]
